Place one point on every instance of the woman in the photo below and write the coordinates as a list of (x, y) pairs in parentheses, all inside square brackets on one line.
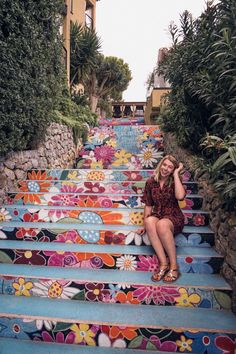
[(162, 215)]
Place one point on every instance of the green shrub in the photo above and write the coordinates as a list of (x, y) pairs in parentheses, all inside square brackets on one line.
[(31, 70)]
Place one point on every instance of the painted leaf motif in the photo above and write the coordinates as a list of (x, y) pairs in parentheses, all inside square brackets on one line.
[(62, 326), (79, 296), (4, 258), (150, 346), (65, 221), (136, 342), (223, 299)]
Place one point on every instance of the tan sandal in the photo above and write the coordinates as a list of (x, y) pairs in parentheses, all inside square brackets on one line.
[(157, 276), (170, 277)]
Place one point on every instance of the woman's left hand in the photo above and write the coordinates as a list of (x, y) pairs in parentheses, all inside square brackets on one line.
[(178, 169)]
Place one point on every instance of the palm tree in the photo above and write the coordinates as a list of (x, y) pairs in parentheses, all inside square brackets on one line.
[(84, 49)]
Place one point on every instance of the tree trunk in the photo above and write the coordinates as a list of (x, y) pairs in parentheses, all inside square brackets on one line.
[(93, 103)]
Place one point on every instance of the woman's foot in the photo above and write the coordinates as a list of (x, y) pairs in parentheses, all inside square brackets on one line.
[(158, 275), (171, 276)]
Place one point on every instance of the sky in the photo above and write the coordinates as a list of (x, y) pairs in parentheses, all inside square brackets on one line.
[(134, 30)]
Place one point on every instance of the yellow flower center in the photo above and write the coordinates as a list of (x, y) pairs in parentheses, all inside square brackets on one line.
[(28, 254), (127, 263), (2, 218), (147, 155), (55, 290), (96, 292), (96, 176)]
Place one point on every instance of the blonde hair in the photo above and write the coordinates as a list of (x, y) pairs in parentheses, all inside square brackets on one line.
[(157, 170)]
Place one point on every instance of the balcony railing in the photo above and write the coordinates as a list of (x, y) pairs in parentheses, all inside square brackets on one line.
[(88, 21)]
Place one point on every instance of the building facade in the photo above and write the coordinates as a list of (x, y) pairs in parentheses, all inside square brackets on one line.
[(84, 13)]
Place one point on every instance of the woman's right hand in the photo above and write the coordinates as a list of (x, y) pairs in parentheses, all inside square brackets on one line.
[(141, 231)]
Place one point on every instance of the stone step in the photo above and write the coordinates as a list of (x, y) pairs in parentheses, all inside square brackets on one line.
[(113, 200), (102, 215), (110, 286), (96, 175), (16, 346), (190, 259), (101, 324), (83, 186)]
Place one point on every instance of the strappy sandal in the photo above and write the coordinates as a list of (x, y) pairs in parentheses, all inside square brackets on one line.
[(170, 277), (157, 276)]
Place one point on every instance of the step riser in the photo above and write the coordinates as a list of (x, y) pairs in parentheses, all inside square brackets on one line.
[(187, 264), (85, 200), (109, 216), (97, 175), (102, 237), (121, 187), (133, 294), (144, 338)]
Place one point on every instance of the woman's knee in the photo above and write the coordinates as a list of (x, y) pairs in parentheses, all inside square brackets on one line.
[(164, 225), (150, 223)]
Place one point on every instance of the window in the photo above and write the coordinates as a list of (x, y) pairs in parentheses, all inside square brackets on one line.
[(71, 6), (89, 16)]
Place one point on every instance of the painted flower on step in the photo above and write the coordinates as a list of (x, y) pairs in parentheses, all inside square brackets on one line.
[(132, 201), (199, 219), (65, 199), (4, 215), (186, 204), (22, 288), (191, 240), (186, 176), (16, 328), (149, 156), (39, 182), (184, 344), (31, 257), (96, 164), (194, 265), (93, 187), (187, 300), (83, 334), (126, 298), (148, 263), (71, 188), (126, 262), (58, 337), (74, 175), (125, 332), (57, 214), (122, 158), (61, 259), (105, 202), (96, 175), (133, 175), (134, 163), (158, 294), (206, 342), (112, 143), (227, 344), (30, 232), (41, 323), (54, 289), (96, 291), (104, 153), (105, 341)]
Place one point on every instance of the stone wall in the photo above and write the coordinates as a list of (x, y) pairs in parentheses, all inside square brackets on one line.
[(58, 150), (221, 222)]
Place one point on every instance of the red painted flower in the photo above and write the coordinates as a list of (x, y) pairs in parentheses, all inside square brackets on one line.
[(226, 344), (199, 219), (133, 176), (93, 187), (96, 291)]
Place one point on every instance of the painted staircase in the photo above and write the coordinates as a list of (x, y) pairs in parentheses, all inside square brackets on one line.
[(72, 235)]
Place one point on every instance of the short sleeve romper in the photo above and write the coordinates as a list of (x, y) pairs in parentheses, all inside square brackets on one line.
[(164, 203)]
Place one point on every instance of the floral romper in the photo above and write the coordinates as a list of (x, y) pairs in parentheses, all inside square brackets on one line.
[(164, 203)]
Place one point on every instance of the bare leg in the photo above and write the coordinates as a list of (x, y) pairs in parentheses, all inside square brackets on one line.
[(151, 228), (165, 230)]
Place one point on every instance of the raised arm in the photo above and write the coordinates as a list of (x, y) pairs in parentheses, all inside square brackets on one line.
[(179, 188)]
